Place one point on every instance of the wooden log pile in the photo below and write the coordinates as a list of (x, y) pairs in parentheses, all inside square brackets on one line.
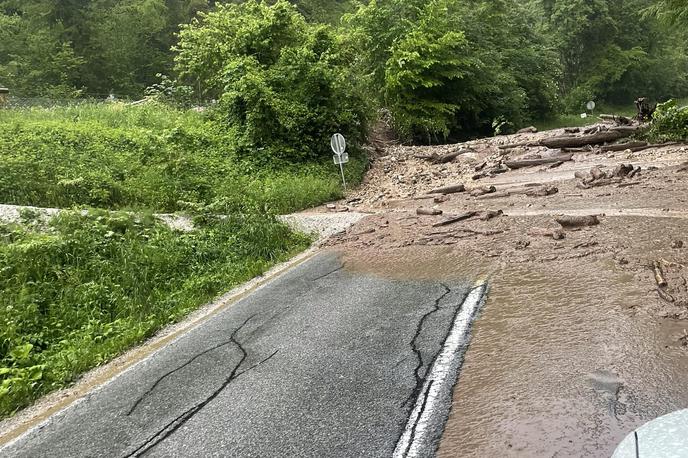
[(597, 177)]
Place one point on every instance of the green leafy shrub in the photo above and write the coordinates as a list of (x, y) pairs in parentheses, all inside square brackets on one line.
[(93, 285), (282, 86), (670, 122), (448, 69), (149, 157)]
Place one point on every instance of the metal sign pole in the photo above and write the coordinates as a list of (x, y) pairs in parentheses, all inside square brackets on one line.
[(341, 167)]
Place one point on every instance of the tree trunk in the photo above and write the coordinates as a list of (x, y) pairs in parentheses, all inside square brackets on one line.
[(519, 164), (449, 189)]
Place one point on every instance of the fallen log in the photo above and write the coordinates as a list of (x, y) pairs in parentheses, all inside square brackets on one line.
[(450, 156), (592, 139), (556, 234), (626, 185), (659, 275), (455, 219), (630, 130), (568, 221), (622, 146), (491, 172), (584, 149), (429, 211), (543, 192), (594, 129), (623, 170), (494, 195), (482, 191), (519, 164), (572, 130), (437, 159), (623, 120), (518, 145), (528, 130), (489, 214), (449, 189), (597, 173), (655, 145), (664, 295), (598, 183)]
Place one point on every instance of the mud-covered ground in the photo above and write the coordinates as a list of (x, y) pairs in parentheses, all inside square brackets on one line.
[(580, 341)]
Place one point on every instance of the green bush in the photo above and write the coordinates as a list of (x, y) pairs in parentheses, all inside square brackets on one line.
[(90, 286), (148, 157), (450, 69), (670, 122), (282, 85)]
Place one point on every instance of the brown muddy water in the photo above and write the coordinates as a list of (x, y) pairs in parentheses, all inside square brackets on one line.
[(564, 359)]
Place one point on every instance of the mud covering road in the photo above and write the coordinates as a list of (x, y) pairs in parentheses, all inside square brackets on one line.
[(580, 341), (323, 361)]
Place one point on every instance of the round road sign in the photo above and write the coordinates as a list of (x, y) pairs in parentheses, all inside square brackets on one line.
[(591, 105), (338, 144)]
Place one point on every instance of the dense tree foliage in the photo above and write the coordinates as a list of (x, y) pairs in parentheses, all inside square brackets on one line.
[(446, 66), (611, 51), (286, 75), (281, 82)]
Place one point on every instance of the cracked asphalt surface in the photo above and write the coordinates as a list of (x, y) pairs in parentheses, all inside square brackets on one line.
[(320, 362)]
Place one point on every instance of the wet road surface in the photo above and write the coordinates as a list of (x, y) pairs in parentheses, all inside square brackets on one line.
[(320, 362), (563, 365), (569, 355)]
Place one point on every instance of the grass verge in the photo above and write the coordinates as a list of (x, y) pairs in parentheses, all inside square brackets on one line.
[(85, 288), (150, 157), (574, 120)]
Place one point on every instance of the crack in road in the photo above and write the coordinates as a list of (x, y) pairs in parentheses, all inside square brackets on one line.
[(328, 273), (185, 416), (415, 347), (445, 375)]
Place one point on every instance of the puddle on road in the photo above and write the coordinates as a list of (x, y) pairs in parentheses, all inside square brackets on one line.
[(559, 366), (564, 360)]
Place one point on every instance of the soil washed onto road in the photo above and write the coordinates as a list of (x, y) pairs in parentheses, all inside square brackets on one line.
[(584, 336)]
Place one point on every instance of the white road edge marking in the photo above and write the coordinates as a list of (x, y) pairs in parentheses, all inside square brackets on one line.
[(426, 422)]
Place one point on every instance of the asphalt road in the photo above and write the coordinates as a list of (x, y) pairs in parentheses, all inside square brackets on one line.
[(320, 362)]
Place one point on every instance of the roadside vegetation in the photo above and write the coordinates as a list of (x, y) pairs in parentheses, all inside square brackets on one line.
[(150, 157), (83, 288), (575, 120), (240, 101)]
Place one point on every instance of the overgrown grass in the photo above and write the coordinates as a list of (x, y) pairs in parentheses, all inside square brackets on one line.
[(148, 157), (87, 287), (90, 286), (574, 120)]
